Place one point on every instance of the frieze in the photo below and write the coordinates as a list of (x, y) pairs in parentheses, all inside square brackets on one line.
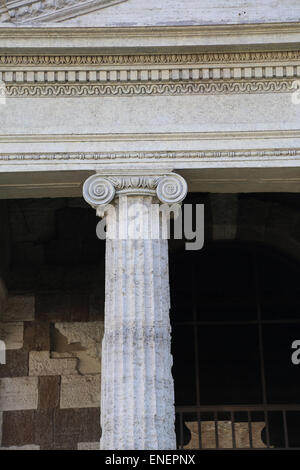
[(283, 153), (147, 89)]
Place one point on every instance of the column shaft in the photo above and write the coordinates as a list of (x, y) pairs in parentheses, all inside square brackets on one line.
[(137, 406)]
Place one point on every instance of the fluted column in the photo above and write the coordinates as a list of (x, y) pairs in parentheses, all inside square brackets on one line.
[(137, 396)]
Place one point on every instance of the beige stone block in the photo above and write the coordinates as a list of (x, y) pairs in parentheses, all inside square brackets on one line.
[(12, 334), (18, 393), (80, 391), (19, 308), (85, 363), (40, 363), (83, 341), (88, 446)]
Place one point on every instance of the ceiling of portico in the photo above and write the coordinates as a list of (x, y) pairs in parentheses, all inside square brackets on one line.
[(38, 184)]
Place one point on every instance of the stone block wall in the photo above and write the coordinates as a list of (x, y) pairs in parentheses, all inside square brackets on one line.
[(50, 385)]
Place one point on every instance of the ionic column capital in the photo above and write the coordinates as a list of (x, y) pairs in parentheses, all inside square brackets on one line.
[(169, 188)]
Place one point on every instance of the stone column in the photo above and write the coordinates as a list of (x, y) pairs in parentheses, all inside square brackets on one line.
[(137, 396)]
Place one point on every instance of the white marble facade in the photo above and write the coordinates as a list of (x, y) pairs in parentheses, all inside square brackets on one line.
[(208, 92)]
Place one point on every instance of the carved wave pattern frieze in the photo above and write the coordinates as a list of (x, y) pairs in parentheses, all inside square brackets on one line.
[(96, 90)]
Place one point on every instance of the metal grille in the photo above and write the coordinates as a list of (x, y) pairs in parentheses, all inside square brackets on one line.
[(239, 427), (263, 425)]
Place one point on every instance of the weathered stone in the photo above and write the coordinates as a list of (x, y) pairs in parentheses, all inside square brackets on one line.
[(88, 446), (37, 336), (44, 428), (40, 363), (27, 447), (76, 425), (18, 428), (12, 335), (19, 393), (19, 308), (86, 340), (16, 364), (49, 392), (80, 391)]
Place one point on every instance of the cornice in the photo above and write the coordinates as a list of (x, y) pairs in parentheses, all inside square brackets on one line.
[(139, 31), (154, 137), (218, 37)]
